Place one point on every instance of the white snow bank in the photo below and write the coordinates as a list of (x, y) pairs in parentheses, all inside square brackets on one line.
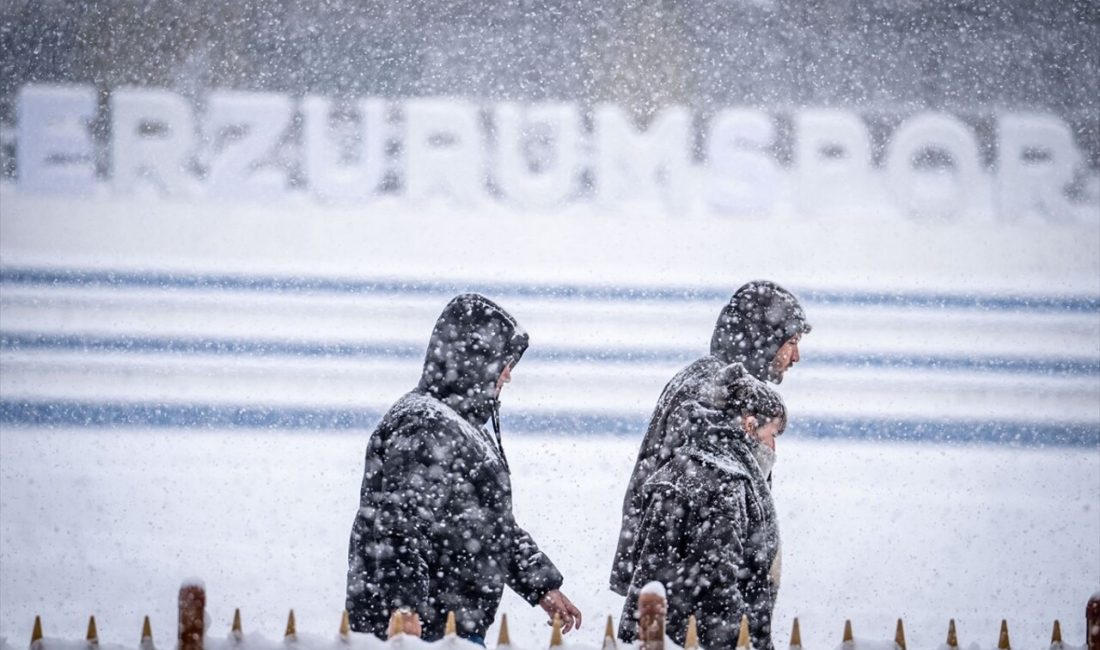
[(586, 246)]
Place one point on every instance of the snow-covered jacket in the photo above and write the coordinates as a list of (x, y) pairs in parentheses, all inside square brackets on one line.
[(708, 532), (751, 328), (435, 530)]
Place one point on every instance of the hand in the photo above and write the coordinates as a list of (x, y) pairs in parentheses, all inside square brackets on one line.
[(555, 602)]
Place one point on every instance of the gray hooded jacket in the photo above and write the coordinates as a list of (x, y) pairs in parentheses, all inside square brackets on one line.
[(434, 530), (759, 318)]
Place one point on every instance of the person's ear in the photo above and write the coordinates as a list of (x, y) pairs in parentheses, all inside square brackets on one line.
[(748, 423)]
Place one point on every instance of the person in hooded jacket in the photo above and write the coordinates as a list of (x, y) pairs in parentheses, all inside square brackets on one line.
[(760, 328), (708, 530), (435, 531)]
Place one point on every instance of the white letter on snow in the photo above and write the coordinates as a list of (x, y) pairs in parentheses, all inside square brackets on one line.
[(654, 165), (832, 163), (538, 152), (443, 151), (744, 179), (331, 172), (1037, 160), (243, 128), (53, 145), (152, 133), (934, 193)]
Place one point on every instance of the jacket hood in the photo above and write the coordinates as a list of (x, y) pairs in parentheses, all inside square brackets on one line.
[(759, 318), (474, 339), (735, 392)]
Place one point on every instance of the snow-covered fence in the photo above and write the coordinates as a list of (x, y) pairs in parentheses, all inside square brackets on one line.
[(652, 607)]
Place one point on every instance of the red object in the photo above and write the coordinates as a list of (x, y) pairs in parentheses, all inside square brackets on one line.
[(192, 608), (1092, 618), (652, 610)]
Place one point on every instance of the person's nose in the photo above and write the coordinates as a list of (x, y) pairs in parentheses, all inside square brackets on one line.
[(794, 354)]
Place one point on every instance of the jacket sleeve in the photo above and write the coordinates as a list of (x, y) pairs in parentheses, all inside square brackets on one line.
[(413, 490), (528, 572)]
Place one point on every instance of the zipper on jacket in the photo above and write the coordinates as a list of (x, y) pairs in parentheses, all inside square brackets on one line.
[(496, 430)]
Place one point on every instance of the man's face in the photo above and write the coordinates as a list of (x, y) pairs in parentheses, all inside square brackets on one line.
[(786, 357), (504, 378)]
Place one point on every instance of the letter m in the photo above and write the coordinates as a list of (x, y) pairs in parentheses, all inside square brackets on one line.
[(650, 166)]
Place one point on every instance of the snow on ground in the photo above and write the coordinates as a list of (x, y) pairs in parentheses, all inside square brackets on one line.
[(108, 522)]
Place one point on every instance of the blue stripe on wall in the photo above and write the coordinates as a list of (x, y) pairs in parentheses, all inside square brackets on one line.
[(238, 347), (99, 415), (274, 284)]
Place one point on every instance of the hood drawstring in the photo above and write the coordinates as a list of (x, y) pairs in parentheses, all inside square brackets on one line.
[(496, 430)]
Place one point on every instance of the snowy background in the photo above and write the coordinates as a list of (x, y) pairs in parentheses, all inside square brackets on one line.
[(188, 389), (187, 385)]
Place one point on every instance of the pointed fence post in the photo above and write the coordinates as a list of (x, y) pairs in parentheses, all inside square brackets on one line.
[(847, 632), (395, 625), (1003, 642), (146, 635), (192, 609), (93, 635), (652, 609), (555, 633), (899, 635), (503, 640), (952, 638), (345, 627), (796, 634), (291, 629), (609, 635), (691, 639), (743, 633), (1056, 636), (36, 634), (235, 632), (450, 629)]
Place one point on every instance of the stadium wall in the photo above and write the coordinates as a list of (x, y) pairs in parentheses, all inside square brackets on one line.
[(197, 313)]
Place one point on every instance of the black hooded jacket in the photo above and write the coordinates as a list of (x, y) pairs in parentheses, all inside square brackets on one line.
[(759, 318), (708, 532), (435, 530)]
